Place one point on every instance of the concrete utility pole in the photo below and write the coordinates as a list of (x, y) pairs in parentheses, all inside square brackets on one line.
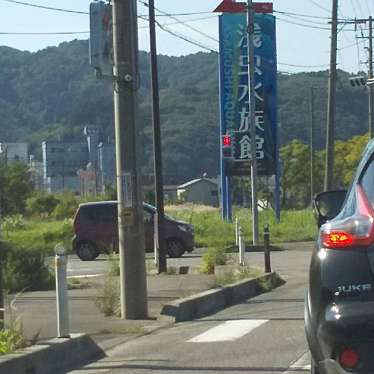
[(370, 86), (312, 143), (252, 111), (160, 216), (130, 209), (331, 105)]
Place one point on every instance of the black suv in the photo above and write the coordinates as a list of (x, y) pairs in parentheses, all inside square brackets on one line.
[(339, 307)]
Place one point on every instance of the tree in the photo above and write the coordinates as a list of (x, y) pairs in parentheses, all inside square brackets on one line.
[(15, 188)]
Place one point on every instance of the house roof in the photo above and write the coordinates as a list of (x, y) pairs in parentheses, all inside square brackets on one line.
[(190, 183)]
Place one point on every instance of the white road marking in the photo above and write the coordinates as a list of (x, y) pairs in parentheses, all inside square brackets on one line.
[(228, 331), (302, 364)]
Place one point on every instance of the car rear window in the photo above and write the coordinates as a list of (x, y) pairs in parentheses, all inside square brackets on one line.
[(99, 213)]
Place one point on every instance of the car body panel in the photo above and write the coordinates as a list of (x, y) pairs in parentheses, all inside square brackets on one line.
[(339, 305), (101, 228)]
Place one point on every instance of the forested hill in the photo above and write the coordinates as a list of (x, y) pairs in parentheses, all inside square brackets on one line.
[(53, 93)]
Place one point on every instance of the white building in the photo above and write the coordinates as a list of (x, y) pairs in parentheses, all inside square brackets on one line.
[(11, 152)]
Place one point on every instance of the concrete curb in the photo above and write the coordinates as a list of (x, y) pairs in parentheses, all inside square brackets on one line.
[(52, 356), (208, 302)]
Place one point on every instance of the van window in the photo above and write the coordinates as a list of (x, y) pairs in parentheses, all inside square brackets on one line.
[(100, 213)]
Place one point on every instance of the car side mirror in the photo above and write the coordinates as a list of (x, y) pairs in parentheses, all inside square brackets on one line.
[(327, 205)]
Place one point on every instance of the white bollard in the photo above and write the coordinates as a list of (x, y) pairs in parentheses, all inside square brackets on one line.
[(241, 247), (155, 242), (236, 231), (61, 260)]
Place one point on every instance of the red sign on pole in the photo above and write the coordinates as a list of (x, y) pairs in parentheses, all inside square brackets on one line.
[(230, 6)]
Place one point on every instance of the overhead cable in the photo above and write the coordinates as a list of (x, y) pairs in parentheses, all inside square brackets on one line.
[(45, 7), (181, 22), (319, 5)]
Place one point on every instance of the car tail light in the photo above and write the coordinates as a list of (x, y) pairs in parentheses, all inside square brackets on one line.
[(357, 230), (349, 359)]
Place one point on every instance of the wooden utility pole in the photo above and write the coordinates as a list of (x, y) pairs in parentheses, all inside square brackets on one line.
[(130, 207), (159, 187), (370, 86), (312, 144), (331, 105)]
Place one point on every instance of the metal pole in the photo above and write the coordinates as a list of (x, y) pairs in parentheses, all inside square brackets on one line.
[(241, 247), (237, 231), (331, 105), (267, 249), (252, 111), (311, 144), (61, 260), (370, 88), (130, 210), (160, 216)]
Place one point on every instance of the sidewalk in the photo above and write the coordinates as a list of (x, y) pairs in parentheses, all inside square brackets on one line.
[(38, 309)]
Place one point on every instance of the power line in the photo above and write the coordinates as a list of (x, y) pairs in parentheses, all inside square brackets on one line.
[(185, 38), (45, 33), (303, 66), (144, 18), (303, 24), (45, 7), (319, 6), (302, 15), (298, 18), (181, 22)]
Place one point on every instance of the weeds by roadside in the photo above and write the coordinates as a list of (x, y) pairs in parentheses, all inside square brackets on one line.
[(12, 337), (108, 296), (237, 274), (212, 257)]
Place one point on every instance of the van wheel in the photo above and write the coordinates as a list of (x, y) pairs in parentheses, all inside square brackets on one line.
[(175, 248), (87, 251)]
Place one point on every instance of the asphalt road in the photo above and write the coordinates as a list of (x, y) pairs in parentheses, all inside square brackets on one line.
[(263, 335), (78, 268)]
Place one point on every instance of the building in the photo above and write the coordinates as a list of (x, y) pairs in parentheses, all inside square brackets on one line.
[(199, 191), (61, 161), (83, 167), (11, 152), (107, 165), (170, 193)]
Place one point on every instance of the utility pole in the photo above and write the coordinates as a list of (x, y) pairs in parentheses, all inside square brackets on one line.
[(130, 209), (331, 105), (370, 71), (252, 111), (160, 215), (370, 86), (312, 144)]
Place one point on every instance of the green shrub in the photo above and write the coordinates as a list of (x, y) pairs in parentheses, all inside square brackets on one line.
[(12, 223), (25, 269), (41, 204), (108, 297), (66, 207), (211, 258)]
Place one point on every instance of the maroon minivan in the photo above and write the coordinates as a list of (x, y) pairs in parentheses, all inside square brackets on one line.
[(96, 231)]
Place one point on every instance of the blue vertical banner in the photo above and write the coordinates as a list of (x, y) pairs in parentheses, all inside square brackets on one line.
[(234, 89), (234, 94)]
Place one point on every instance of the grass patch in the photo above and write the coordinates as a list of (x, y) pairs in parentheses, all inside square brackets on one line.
[(78, 283), (238, 274), (212, 231), (42, 235), (11, 336), (135, 329)]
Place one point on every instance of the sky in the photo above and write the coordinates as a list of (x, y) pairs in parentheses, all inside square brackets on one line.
[(303, 30)]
